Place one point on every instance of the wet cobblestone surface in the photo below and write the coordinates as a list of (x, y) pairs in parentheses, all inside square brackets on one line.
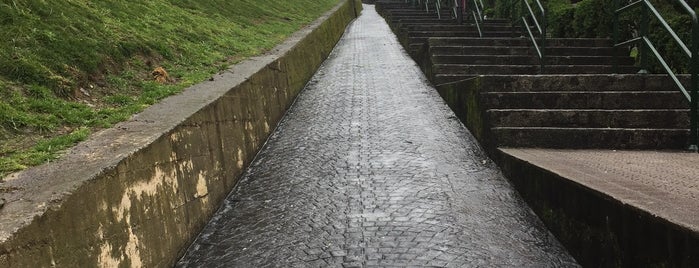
[(370, 169)]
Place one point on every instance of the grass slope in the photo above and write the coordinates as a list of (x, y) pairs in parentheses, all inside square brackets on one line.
[(70, 67)]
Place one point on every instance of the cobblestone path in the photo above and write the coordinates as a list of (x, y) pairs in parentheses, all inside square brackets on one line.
[(369, 168)]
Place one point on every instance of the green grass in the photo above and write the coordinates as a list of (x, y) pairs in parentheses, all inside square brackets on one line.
[(70, 67), (44, 151)]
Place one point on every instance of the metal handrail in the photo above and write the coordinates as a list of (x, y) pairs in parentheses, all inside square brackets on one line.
[(477, 15), (693, 94), (539, 23), (437, 7), (456, 9), (479, 9)]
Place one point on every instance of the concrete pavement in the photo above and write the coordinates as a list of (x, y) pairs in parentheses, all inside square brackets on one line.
[(370, 168)]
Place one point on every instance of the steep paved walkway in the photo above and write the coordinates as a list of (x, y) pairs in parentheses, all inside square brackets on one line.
[(370, 168)]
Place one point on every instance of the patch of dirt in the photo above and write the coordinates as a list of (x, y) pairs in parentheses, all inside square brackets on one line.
[(9, 189), (92, 88)]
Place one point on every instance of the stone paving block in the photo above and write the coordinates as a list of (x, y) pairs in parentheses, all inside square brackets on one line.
[(369, 169)]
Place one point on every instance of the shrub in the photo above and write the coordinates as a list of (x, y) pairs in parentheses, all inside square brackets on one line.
[(594, 18)]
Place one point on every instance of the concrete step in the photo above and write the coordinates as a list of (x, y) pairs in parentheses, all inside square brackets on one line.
[(527, 69), (422, 18), (584, 138), (466, 32), (469, 34), (460, 33), (581, 82), (458, 27), (413, 12), (518, 41), (467, 19), (415, 46), (528, 60), (405, 21), (394, 17), (450, 78), (662, 118), (611, 100), (572, 111), (522, 50)]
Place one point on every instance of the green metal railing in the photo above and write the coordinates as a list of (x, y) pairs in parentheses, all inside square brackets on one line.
[(479, 8), (426, 5), (527, 13), (477, 13), (456, 11), (476, 6), (647, 46), (436, 6)]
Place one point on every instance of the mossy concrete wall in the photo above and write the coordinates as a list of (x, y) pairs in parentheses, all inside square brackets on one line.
[(464, 98), (137, 194)]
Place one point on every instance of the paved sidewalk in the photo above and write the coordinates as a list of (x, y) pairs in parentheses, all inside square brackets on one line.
[(371, 168)]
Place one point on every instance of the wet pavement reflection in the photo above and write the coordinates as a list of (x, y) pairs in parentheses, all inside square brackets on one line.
[(371, 169)]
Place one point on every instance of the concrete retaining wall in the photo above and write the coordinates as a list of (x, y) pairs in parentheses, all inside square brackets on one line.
[(464, 98), (137, 194)]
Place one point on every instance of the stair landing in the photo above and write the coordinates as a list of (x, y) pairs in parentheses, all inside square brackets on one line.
[(644, 203), (664, 183)]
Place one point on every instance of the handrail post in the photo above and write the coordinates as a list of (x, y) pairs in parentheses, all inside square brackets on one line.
[(524, 7), (512, 11), (543, 41), (459, 10), (615, 38), (511, 7), (514, 14), (643, 51), (521, 16), (694, 94)]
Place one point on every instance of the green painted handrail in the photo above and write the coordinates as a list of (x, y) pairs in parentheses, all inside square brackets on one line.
[(437, 7), (477, 14), (539, 24), (480, 9), (456, 10), (647, 46)]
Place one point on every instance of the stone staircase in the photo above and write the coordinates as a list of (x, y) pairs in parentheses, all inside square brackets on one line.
[(452, 59), (600, 111), (448, 51), (496, 86)]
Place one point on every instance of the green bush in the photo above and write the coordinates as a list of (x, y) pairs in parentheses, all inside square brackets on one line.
[(560, 21), (594, 18)]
